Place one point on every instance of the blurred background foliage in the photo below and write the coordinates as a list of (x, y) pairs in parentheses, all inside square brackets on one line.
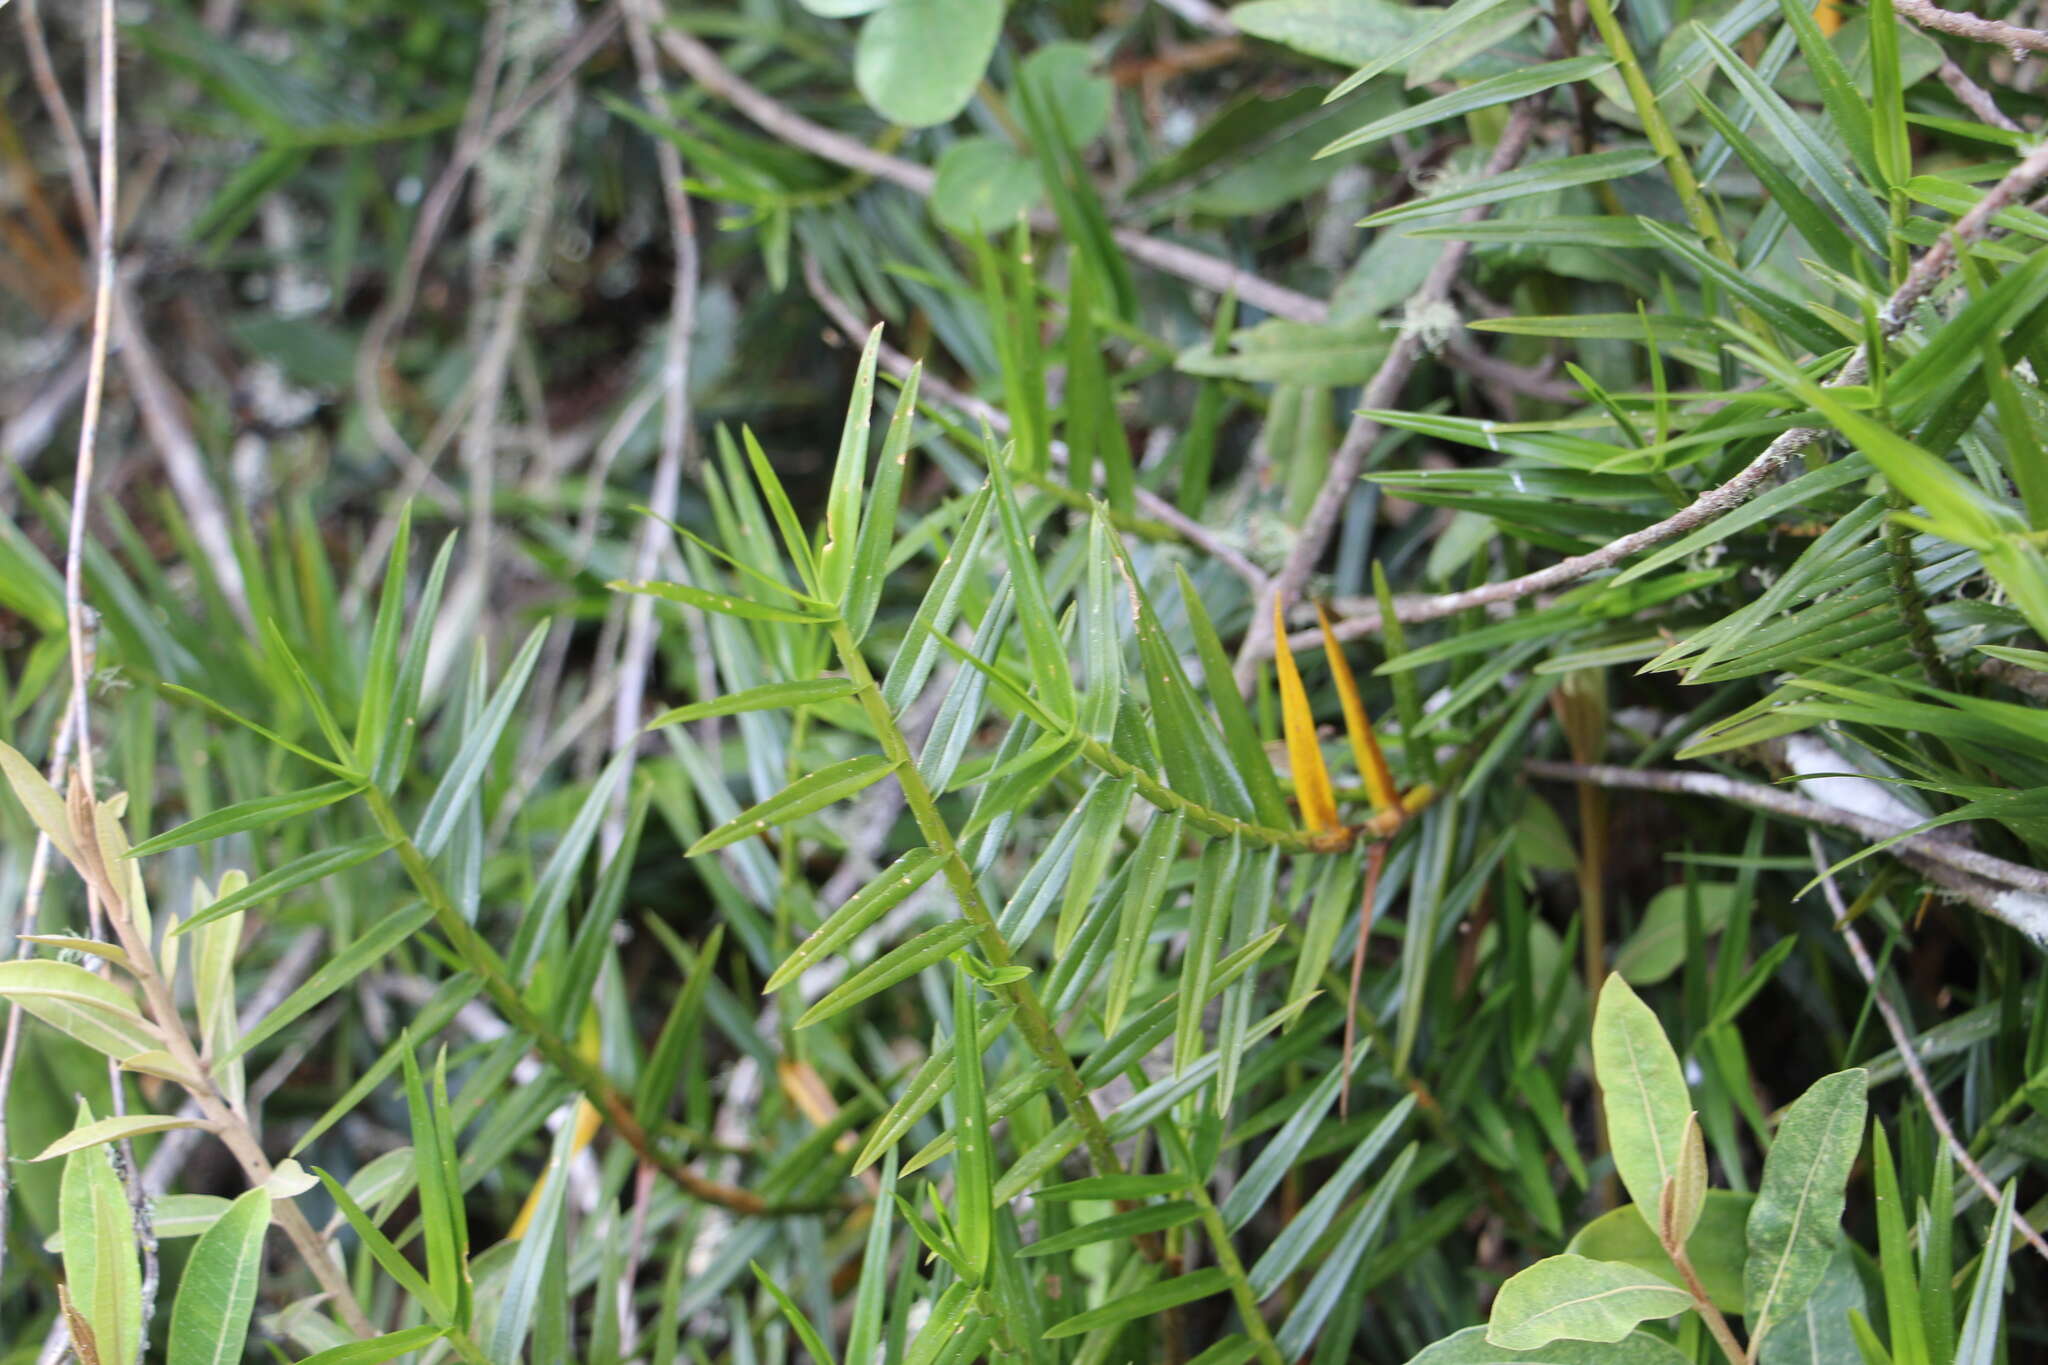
[(1582, 272)]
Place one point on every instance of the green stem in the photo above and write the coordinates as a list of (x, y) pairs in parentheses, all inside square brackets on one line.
[(1905, 570), (1227, 1259), (610, 1102), (1031, 1017), (1662, 139), (1200, 816), (1717, 1326)]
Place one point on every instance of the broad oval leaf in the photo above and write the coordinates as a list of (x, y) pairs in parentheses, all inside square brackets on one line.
[(210, 1320), (94, 1011), (917, 61), (41, 800), (1798, 1209), (102, 1263), (1717, 1247), (1470, 1347), (1578, 1299), (1657, 946), (1642, 1091)]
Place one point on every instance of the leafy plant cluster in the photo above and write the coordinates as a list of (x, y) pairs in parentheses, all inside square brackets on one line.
[(1460, 789)]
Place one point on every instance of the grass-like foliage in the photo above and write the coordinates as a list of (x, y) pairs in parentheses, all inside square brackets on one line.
[(1234, 788)]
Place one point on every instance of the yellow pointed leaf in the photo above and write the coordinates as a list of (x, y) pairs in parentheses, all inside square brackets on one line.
[(1311, 778), (1365, 745), (586, 1118)]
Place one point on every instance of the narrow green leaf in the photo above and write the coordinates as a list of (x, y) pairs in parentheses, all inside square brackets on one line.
[(1155, 1298), (1151, 865), (821, 1354), (725, 604), (438, 823), (842, 502), (864, 1333), (889, 888), (313, 867), (878, 524), (117, 1129), (259, 812), (1822, 167), (1117, 1227), (1978, 1342), (1240, 735), (1481, 94), (1909, 1344), (379, 1349), (1332, 1278), (394, 1262), (1042, 640), (768, 697), (1440, 27), (380, 668), (901, 962), (526, 1280), (799, 798), (1540, 178), (973, 1209), (338, 971), (1320, 1213)]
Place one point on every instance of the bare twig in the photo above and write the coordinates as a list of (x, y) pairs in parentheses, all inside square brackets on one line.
[(1963, 24), (169, 432), (479, 134), (1903, 1040), (1200, 14), (1973, 96), (1196, 267), (938, 390), (2032, 882), (1381, 391), (1926, 273), (637, 651)]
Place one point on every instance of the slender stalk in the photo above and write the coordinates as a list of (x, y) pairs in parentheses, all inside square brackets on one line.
[(1658, 130), (1909, 1048), (1031, 1017), (227, 1122), (1227, 1259), (616, 1107), (1717, 1325), (1905, 580)]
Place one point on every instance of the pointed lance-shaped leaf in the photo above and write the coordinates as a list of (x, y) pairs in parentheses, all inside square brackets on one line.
[(1365, 745), (1304, 755)]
